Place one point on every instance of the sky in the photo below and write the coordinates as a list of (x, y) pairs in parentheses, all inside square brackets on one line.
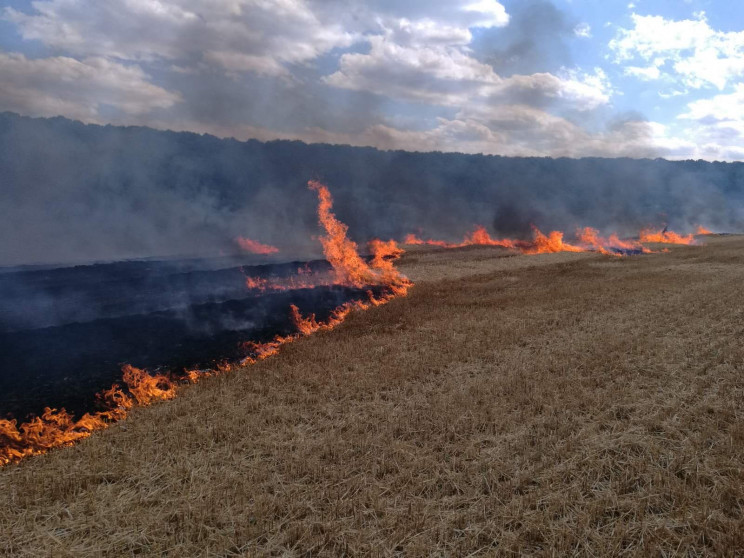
[(574, 78)]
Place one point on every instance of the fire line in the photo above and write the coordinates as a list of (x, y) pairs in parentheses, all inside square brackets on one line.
[(57, 428)]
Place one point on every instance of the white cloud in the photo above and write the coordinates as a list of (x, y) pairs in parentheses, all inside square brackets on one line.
[(432, 74), (486, 13), (78, 89), (716, 125), (235, 62), (645, 73), (696, 54), (448, 75), (583, 30), (245, 35), (720, 108), (418, 52)]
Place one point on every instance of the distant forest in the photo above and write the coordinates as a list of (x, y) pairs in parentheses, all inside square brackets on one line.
[(75, 192)]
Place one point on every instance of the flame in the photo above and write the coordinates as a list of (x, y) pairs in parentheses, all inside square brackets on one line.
[(665, 237), (256, 283), (58, 428), (702, 230), (412, 239), (255, 247), (590, 237), (540, 244), (480, 237), (145, 388), (549, 244)]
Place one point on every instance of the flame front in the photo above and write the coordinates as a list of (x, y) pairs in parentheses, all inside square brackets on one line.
[(665, 237), (587, 239), (57, 428)]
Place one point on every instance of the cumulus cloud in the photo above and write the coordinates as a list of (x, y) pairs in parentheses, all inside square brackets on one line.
[(62, 85), (583, 30), (689, 50), (716, 125), (317, 69), (247, 35), (437, 71)]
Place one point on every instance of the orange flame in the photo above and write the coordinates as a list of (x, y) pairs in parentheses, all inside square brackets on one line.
[(480, 237), (665, 237), (540, 244), (549, 244), (590, 237), (255, 247), (412, 239), (58, 428), (702, 230)]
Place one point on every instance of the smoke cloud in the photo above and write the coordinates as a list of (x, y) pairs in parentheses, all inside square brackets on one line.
[(81, 193)]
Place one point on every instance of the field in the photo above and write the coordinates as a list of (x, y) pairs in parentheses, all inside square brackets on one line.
[(551, 404)]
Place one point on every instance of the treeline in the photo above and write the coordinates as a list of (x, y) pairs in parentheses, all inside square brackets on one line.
[(75, 191)]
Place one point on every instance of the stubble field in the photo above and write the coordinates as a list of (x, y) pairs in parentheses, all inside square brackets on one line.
[(553, 404)]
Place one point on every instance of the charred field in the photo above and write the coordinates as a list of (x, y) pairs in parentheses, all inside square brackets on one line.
[(66, 332), (556, 404)]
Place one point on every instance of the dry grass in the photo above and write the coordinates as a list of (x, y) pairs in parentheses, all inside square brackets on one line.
[(560, 404)]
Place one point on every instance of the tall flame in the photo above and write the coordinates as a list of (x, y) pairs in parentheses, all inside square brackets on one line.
[(57, 428), (343, 253)]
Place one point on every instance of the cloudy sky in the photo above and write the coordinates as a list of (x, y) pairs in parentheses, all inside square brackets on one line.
[(649, 78)]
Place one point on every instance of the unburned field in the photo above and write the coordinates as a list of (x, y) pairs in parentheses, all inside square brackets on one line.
[(556, 404)]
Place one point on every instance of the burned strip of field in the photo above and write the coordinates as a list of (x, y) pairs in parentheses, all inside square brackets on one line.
[(559, 404), (65, 333)]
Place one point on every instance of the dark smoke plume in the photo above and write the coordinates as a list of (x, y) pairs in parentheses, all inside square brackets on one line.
[(76, 193)]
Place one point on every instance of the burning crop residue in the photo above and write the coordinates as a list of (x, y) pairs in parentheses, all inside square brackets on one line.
[(255, 247), (348, 267), (665, 236), (587, 240), (378, 275), (612, 245)]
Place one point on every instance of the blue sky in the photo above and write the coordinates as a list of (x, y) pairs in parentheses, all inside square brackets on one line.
[(641, 78)]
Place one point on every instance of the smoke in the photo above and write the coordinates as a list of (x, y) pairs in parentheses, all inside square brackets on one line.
[(77, 193), (536, 40)]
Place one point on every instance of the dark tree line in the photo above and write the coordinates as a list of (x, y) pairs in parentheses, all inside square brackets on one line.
[(75, 191)]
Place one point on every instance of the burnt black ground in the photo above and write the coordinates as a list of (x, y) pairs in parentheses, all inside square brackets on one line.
[(65, 333)]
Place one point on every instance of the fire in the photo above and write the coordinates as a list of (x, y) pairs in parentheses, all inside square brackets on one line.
[(587, 239), (541, 243), (145, 388), (610, 245), (549, 244), (665, 237), (702, 230), (255, 247), (413, 240), (256, 283), (343, 254), (58, 428), (480, 237)]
